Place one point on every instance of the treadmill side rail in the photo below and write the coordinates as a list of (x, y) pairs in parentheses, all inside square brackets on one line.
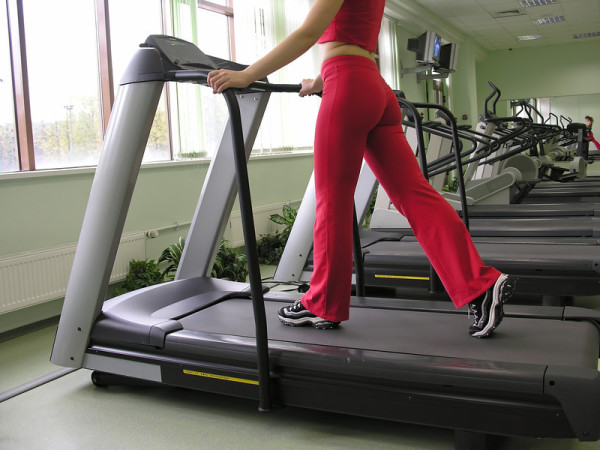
[(469, 395)]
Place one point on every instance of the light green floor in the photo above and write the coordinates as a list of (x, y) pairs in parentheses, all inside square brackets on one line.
[(71, 413)]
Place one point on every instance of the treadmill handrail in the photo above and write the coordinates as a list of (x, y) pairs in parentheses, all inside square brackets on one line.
[(200, 75), (495, 93), (449, 116)]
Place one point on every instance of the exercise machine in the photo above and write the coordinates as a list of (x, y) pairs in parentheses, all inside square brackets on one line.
[(537, 377)]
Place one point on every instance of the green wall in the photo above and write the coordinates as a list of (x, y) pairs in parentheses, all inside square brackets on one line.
[(535, 72), (46, 210), (462, 90)]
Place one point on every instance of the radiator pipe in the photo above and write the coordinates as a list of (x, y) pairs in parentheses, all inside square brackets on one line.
[(155, 232)]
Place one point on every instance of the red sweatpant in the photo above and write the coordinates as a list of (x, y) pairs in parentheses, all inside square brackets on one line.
[(360, 118)]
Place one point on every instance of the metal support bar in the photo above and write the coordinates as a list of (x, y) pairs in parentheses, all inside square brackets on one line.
[(431, 76), (258, 305), (417, 69), (424, 68)]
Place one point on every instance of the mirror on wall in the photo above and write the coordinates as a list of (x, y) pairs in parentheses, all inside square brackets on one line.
[(569, 107)]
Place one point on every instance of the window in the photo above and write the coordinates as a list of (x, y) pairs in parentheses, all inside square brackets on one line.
[(216, 2), (197, 115), (62, 62), (69, 59), (215, 28), (126, 35), (289, 121), (9, 161)]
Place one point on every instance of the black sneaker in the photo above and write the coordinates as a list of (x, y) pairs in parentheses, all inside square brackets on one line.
[(297, 315), (488, 310)]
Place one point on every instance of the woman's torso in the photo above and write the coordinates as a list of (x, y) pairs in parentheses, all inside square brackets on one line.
[(332, 49), (354, 30)]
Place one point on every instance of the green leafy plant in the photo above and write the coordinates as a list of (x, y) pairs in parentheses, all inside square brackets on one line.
[(141, 274), (287, 219), (230, 263), (270, 246), (171, 256), (451, 186), (192, 155)]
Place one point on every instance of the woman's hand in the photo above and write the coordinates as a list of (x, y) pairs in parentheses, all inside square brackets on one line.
[(221, 79), (310, 87)]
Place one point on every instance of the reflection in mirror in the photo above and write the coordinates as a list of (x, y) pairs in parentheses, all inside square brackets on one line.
[(561, 110)]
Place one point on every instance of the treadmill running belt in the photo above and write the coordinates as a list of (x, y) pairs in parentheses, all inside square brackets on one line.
[(518, 340)]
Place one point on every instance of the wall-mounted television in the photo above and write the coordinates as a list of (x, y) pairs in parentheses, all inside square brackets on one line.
[(427, 46), (448, 58)]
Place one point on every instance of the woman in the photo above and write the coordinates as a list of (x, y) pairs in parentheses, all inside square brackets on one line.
[(359, 117), (589, 121)]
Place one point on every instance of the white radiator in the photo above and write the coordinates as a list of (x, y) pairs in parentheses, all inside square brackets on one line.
[(31, 278)]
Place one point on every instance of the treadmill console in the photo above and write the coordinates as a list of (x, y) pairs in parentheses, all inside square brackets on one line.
[(178, 54)]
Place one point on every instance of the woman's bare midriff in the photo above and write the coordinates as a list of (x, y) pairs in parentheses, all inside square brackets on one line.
[(331, 49)]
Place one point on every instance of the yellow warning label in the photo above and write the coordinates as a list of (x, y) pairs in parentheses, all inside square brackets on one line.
[(401, 277), (220, 377)]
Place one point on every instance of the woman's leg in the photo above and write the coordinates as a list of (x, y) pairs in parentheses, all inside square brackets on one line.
[(349, 110), (436, 225)]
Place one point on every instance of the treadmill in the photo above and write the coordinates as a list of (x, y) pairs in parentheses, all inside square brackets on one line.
[(565, 226), (585, 190), (537, 377), (532, 220), (555, 269), (573, 191)]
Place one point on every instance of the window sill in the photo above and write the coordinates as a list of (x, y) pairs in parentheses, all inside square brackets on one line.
[(145, 166)]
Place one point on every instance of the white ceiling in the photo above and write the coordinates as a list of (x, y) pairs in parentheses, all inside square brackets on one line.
[(476, 19)]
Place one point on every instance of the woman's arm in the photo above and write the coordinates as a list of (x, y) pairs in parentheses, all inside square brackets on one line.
[(318, 19)]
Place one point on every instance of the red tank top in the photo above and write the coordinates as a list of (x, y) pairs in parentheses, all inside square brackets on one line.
[(357, 22)]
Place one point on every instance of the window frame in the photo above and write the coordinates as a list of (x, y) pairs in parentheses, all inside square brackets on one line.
[(228, 12), (18, 55)]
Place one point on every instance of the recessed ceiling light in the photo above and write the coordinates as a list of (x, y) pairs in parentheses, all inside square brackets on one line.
[(547, 20), (528, 3), (529, 37), (507, 13), (586, 35)]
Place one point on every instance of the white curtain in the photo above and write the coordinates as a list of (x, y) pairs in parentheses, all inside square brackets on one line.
[(259, 26)]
